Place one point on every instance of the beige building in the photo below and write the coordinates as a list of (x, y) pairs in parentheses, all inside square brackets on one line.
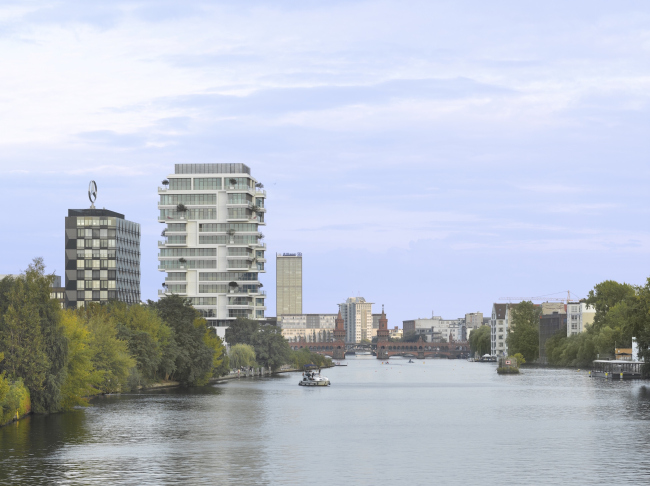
[(473, 320), (288, 284), (308, 327), (578, 316), (357, 319), (396, 333)]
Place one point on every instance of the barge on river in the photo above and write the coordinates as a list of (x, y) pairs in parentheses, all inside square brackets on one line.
[(616, 369)]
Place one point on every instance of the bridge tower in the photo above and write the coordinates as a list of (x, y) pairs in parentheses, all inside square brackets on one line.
[(383, 335), (339, 338)]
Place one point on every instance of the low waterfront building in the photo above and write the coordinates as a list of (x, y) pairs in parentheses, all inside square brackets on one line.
[(579, 315), (307, 327)]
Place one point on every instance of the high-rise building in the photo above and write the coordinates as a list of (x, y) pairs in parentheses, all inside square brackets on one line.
[(357, 319), (212, 252), (288, 283), (102, 257)]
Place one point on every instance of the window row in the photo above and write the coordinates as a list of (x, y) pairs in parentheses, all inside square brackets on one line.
[(82, 254), (96, 294), (95, 284), (176, 240), (96, 243), (226, 276), (177, 288), (95, 233), (222, 227), (225, 240), (175, 264), (239, 198), (191, 252), (96, 264), (239, 251), (96, 221), (203, 300), (96, 274), (172, 276), (176, 226), (192, 199), (190, 214), (213, 288)]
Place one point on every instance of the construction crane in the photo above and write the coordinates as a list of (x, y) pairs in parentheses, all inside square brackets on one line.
[(544, 298)]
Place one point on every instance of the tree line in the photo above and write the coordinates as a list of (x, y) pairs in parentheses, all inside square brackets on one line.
[(255, 345), (53, 360), (622, 311)]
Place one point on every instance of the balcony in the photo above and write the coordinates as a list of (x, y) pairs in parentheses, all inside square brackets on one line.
[(167, 292), (163, 244), (249, 292), (260, 192)]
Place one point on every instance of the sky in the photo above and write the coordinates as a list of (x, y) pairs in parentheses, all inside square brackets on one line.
[(431, 156)]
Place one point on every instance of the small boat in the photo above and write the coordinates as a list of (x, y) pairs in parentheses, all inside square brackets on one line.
[(311, 378), (338, 363)]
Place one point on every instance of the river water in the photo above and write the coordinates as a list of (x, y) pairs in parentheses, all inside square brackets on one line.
[(431, 422)]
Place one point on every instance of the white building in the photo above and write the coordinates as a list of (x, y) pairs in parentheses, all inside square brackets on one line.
[(310, 327), (212, 251), (499, 328), (473, 320), (579, 314), (437, 329), (357, 319)]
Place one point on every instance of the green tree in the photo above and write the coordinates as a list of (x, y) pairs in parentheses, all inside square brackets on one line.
[(21, 338), (479, 340), (110, 355), (519, 358), (242, 355), (271, 349), (193, 360), (523, 331), (82, 379), (241, 331), (606, 295), (411, 337)]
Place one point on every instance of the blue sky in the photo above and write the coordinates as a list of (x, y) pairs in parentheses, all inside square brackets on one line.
[(430, 156)]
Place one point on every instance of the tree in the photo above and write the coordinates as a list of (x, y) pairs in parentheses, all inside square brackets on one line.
[(519, 358), (241, 331), (479, 340), (193, 358), (523, 332), (606, 295), (271, 349), (242, 355), (110, 355), (220, 361), (82, 379), (411, 337)]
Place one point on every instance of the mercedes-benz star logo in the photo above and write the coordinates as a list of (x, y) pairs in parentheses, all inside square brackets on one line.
[(92, 192)]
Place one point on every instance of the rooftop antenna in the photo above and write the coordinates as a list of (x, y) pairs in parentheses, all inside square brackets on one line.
[(92, 193)]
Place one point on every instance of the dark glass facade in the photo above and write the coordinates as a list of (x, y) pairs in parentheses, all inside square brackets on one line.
[(102, 258)]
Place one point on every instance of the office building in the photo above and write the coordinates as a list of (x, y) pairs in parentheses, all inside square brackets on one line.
[(357, 319), (102, 258), (307, 327), (212, 252), (288, 283), (436, 329)]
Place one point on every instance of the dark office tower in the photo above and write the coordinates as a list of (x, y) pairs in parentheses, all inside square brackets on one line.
[(102, 258)]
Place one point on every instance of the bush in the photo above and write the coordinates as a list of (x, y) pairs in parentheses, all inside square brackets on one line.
[(15, 403), (508, 370), (304, 357)]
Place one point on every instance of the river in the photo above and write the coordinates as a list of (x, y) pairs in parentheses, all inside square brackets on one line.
[(431, 422)]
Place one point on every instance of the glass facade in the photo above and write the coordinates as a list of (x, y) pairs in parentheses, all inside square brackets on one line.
[(218, 232), (102, 258)]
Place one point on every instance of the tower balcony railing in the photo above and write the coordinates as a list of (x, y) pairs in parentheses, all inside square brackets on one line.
[(162, 244), (248, 292), (169, 292), (260, 192)]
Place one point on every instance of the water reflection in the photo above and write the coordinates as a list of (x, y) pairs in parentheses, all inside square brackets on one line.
[(450, 422)]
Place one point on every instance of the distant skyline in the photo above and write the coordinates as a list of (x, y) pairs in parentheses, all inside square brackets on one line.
[(428, 156)]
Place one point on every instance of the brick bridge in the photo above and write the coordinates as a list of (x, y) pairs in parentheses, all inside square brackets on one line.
[(422, 349)]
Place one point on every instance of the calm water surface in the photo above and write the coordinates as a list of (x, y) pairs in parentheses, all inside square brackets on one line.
[(433, 422)]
